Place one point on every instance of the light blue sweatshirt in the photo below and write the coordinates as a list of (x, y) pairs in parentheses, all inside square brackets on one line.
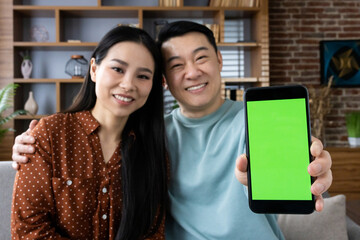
[(207, 201)]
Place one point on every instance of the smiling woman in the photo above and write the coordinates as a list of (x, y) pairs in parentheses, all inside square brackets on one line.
[(122, 84), (92, 176)]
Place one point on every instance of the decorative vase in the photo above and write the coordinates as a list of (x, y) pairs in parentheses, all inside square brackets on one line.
[(77, 66), (26, 68), (354, 141), (31, 105)]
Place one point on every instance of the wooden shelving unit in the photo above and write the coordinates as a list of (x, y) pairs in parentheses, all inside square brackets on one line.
[(89, 23), (346, 172)]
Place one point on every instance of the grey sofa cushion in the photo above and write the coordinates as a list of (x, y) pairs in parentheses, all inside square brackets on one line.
[(327, 224), (7, 175)]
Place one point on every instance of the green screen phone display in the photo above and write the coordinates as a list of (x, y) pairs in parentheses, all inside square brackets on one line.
[(279, 149)]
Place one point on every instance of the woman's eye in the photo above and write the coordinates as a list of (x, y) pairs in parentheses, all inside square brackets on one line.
[(144, 77), (116, 69)]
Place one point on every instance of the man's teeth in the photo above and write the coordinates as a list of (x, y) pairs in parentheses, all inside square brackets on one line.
[(124, 99), (196, 87)]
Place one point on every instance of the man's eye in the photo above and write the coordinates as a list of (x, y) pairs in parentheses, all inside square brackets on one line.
[(175, 66), (201, 57)]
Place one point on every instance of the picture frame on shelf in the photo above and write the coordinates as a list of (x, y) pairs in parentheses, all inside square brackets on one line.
[(340, 59)]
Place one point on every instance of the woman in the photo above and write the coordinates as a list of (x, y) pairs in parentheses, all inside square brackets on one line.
[(99, 170)]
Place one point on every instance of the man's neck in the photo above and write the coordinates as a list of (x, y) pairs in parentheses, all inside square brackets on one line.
[(201, 112)]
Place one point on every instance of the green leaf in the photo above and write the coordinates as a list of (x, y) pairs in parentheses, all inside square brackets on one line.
[(6, 99), (353, 124)]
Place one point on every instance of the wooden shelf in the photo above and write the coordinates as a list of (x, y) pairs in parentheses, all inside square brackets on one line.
[(48, 80), (237, 80), (94, 44), (63, 23), (239, 44), (346, 171), (29, 117), (55, 44), (129, 8)]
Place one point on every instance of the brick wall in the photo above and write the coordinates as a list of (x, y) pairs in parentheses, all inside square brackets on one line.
[(296, 27)]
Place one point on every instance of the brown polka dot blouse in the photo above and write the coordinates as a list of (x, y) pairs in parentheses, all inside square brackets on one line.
[(67, 191)]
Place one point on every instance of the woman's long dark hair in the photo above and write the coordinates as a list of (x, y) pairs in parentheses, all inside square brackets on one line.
[(144, 164)]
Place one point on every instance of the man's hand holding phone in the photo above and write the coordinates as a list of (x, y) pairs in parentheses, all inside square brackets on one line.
[(319, 168), (280, 153)]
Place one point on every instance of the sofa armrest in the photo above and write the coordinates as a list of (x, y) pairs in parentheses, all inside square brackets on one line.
[(7, 176), (353, 229)]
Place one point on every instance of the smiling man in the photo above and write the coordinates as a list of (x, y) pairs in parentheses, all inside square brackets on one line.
[(206, 134)]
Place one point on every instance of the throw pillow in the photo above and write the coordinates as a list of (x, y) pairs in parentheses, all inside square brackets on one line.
[(330, 223)]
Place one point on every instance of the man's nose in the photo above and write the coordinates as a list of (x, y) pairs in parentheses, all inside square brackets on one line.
[(192, 71)]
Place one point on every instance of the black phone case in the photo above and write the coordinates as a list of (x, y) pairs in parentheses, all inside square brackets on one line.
[(277, 206)]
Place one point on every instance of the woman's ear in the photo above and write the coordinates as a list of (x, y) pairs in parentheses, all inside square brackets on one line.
[(93, 67)]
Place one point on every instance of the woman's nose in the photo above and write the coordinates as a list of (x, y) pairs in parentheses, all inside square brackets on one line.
[(127, 82)]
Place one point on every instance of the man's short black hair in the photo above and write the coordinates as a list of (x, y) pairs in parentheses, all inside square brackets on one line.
[(180, 28)]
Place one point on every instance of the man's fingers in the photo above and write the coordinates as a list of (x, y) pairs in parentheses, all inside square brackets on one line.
[(15, 165), (241, 168), (241, 163), (320, 165), (316, 147), (32, 124), (24, 138), (22, 149), (322, 183), (319, 203)]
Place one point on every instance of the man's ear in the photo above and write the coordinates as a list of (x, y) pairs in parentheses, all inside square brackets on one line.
[(220, 60), (93, 67), (164, 82)]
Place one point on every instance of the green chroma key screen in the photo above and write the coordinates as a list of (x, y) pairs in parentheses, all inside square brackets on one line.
[(279, 149)]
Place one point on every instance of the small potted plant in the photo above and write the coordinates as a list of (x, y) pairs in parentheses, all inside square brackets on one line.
[(353, 128), (26, 64), (6, 98)]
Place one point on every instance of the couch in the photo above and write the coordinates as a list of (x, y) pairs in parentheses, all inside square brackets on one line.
[(7, 175), (331, 223)]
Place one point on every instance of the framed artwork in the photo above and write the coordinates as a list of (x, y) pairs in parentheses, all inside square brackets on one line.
[(340, 59)]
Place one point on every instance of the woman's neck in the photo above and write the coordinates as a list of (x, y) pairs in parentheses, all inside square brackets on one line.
[(110, 132)]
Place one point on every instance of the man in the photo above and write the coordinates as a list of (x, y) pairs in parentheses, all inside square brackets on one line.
[(205, 135)]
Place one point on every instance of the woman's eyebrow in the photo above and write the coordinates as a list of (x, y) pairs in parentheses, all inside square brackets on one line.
[(143, 69), (120, 61)]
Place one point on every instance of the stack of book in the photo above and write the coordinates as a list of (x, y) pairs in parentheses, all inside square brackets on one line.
[(169, 3), (234, 3), (235, 93), (215, 29), (135, 25)]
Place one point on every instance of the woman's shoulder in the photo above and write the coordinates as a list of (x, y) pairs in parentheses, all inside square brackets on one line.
[(58, 118), (55, 122)]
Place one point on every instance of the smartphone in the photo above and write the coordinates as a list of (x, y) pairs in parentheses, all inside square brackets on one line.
[(278, 141)]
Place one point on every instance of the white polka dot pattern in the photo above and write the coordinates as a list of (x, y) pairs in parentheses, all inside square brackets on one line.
[(67, 191)]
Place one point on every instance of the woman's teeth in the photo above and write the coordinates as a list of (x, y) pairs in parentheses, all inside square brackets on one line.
[(124, 99)]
